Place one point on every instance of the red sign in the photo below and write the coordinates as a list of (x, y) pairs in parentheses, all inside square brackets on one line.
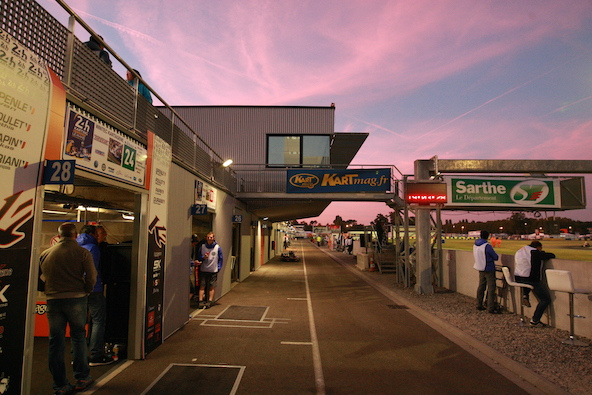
[(426, 193)]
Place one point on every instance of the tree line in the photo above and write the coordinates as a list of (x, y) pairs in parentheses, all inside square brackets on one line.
[(516, 224)]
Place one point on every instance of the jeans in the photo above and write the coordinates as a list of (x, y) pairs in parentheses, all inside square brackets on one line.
[(60, 312), (486, 281), (541, 292), (97, 308)]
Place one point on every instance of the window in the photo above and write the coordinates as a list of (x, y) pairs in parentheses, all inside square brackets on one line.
[(298, 150)]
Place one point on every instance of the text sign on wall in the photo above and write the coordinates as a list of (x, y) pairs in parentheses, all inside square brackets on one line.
[(25, 99), (328, 181), (102, 149), (60, 172), (504, 192), (159, 166)]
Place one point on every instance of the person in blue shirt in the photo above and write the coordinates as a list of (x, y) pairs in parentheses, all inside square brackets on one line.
[(142, 90), (485, 257), (97, 307)]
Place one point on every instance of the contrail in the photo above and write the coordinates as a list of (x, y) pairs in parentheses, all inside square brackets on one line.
[(497, 97), (569, 105), (376, 126), (146, 37)]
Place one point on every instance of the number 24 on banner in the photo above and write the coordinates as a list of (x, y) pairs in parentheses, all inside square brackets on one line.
[(59, 172)]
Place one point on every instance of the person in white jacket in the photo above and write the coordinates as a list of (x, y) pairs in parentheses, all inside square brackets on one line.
[(528, 269), (210, 258)]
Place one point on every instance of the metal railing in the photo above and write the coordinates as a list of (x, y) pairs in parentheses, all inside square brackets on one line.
[(95, 87), (260, 178)]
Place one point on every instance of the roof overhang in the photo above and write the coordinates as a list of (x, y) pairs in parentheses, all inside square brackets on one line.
[(344, 147)]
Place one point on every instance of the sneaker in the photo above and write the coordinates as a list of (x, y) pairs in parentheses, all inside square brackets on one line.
[(209, 304), (537, 324), (202, 304), (65, 390), (480, 308), (83, 384), (99, 361), (525, 302)]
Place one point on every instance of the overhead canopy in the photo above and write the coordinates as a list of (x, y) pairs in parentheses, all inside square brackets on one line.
[(344, 147)]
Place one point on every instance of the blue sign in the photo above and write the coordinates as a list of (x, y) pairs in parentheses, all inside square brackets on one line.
[(237, 218), (328, 181), (199, 209), (59, 172)]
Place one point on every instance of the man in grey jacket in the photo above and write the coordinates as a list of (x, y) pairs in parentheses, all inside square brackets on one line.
[(70, 275)]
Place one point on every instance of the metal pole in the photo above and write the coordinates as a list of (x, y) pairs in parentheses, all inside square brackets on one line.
[(422, 230)]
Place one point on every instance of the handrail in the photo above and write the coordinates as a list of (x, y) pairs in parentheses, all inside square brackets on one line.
[(78, 19)]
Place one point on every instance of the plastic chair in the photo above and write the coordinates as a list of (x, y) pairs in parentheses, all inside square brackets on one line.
[(561, 281), (509, 277)]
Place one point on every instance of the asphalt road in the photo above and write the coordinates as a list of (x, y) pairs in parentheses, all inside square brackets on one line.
[(307, 327)]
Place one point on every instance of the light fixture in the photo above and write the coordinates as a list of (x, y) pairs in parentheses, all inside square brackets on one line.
[(55, 212), (265, 218), (227, 163), (92, 209), (129, 217)]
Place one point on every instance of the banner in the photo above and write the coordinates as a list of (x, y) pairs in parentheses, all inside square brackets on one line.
[(158, 167), (331, 181), (25, 92), (511, 192), (102, 149)]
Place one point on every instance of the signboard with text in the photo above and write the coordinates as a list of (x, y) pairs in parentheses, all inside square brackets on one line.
[(26, 92), (98, 147), (425, 193), (160, 157), (331, 181), (511, 192)]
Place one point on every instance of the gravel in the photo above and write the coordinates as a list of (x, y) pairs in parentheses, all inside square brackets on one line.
[(538, 349)]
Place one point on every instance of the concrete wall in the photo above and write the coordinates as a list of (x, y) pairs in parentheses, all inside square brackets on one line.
[(459, 275)]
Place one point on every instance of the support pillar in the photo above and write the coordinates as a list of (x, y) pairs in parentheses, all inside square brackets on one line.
[(423, 270)]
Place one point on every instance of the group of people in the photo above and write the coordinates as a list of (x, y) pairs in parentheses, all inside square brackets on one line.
[(528, 269), (97, 47), (73, 286), (206, 262)]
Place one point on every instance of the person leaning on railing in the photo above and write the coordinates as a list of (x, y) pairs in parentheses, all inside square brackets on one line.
[(142, 90), (99, 49)]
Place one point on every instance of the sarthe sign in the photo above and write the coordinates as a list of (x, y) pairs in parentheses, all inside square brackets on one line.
[(328, 181), (511, 192)]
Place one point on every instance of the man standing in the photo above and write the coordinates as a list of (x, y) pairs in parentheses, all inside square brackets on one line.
[(69, 274), (529, 264), (485, 257), (210, 256), (97, 306)]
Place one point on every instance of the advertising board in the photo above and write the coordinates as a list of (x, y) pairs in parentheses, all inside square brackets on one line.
[(511, 192)]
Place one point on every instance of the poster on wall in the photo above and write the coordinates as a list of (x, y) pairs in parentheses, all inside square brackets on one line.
[(25, 96), (98, 147), (158, 169)]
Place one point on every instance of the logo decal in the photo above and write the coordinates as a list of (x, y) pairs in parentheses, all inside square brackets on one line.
[(304, 180), (529, 192)]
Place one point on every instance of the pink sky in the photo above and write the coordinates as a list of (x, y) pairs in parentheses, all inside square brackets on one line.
[(457, 79)]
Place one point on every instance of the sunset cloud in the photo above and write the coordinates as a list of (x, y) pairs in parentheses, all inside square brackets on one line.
[(457, 79)]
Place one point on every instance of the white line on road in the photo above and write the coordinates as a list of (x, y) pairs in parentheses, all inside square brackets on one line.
[(316, 353)]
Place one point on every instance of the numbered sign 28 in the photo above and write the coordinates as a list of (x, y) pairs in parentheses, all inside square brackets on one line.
[(59, 172)]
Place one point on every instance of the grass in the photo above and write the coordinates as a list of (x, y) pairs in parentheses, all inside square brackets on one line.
[(563, 249)]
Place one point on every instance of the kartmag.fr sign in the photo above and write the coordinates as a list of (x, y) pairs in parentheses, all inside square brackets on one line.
[(330, 181), (511, 192)]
